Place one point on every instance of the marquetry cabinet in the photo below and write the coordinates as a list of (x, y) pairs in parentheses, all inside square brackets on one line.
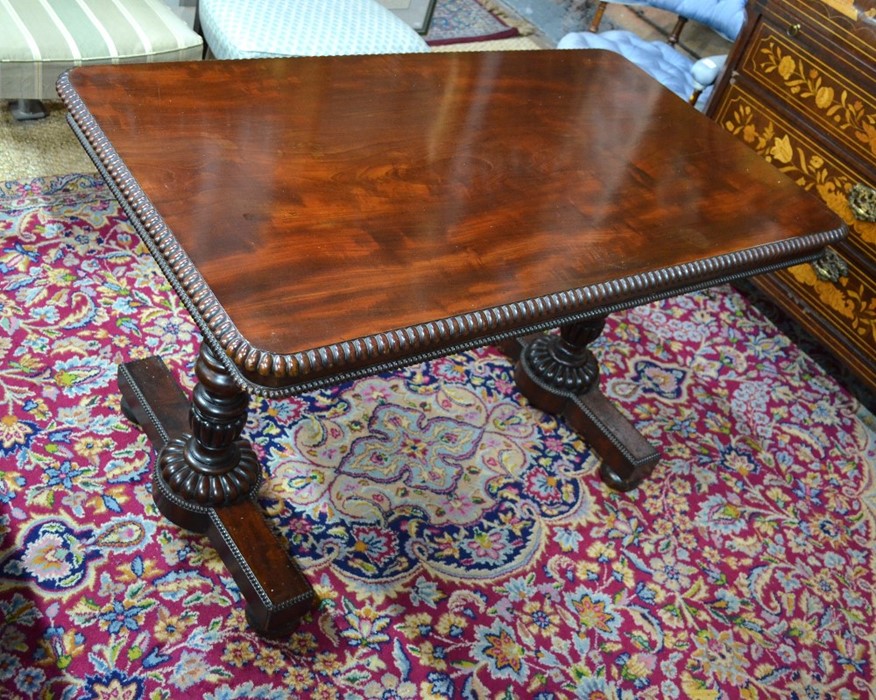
[(800, 88)]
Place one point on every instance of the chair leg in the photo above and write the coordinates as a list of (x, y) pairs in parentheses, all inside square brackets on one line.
[(22, 110), (597, 17), (674, 35)]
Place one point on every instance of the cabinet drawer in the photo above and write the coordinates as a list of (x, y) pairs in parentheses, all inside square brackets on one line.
[(838, 100), (851, 23), (841, 315), (805, 159), (800, 89)]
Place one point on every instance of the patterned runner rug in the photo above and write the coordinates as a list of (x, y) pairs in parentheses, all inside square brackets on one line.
[(460, 541), (462, 21)]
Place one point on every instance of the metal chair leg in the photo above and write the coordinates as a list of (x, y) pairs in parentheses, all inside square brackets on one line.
[(22, 110)]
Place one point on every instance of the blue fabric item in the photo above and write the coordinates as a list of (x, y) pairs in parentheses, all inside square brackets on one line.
[(658, 59), (724, 16), (274, 28)]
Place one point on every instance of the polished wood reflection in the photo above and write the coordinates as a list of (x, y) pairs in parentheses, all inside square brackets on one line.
[(352, 195)]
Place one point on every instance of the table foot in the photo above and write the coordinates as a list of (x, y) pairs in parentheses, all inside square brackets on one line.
[(627, 457), (277, 594), (559, 375)]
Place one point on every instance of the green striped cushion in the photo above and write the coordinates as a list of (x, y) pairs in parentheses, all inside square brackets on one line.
[(40, 39)]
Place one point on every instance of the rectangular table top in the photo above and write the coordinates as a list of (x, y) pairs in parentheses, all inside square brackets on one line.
[(323, 215)]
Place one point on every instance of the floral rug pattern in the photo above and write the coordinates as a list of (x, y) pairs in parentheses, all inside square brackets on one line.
[(460, 541)]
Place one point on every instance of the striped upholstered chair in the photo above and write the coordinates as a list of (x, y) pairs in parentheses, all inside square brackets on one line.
[(40, 40)]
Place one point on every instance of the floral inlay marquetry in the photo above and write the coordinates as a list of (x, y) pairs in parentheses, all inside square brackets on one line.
[(801, 93), (847, 7), (808, 168), (850, 298), (820, 91)]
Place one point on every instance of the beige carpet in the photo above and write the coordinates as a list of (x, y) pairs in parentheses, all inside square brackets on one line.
[(39, 148)]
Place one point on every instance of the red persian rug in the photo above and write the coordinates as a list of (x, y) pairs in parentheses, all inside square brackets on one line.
[(460, 541)]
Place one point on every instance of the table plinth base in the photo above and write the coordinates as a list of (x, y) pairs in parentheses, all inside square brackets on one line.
[(277, 594), (627, 458)]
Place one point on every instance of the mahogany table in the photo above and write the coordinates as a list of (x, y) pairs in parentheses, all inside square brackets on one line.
[(327, 218)]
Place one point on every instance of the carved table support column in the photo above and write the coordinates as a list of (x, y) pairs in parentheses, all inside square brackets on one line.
[(210, 467), (559, 374), (206, 480)]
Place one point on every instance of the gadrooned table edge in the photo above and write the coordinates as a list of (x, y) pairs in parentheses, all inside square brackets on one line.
[(265, 373)]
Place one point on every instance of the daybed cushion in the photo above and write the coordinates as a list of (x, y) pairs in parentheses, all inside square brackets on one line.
[(274, 28), (40, 40)]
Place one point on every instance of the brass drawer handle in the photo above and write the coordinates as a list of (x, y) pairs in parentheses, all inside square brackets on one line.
[(794, 29), (830, 267), (862, 200)]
